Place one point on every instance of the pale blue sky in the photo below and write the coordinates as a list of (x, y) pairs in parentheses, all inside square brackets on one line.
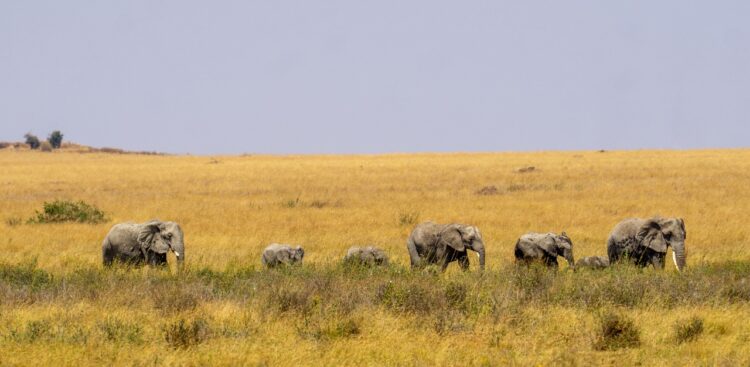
[(209, 77)]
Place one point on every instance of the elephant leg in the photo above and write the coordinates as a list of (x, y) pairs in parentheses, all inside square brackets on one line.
[(447, 258), (657, 260), (551, 262), (613, 252), (414, 258), (463, 261)]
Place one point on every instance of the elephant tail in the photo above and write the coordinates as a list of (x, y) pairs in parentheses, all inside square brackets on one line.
[(413, 254)]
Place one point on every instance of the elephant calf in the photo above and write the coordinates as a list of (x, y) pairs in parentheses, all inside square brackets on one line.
[(138, 243), (366, 256), (276, 254), (544, 248), (432, 243), (593, 262)]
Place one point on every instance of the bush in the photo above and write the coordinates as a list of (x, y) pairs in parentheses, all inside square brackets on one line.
[(173, 299), (45, 146), (115, 330), (25, 274), (32, 140), (688, 331), (55, 139), (68, 211), (408, 218), (13, 221), (291, 203), (182, 334), (325, 330), (616, 332)]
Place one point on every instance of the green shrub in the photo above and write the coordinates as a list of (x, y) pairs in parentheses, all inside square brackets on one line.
[(616, 332), (55, 139), (32, 141), (25, 274), (184, 334), (68, 211), (34, 330), (689, 330), (115, 330)]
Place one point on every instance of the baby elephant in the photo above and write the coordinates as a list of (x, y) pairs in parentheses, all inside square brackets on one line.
[(276, 254), (366, 256), (544, 248), (593, 262)]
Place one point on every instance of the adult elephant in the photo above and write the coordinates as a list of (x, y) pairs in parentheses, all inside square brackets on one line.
[(433, 243), (644, 242), (139, 243), (544, 248)]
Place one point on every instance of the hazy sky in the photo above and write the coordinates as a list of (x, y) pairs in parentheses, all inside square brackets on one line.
[(273, 76)]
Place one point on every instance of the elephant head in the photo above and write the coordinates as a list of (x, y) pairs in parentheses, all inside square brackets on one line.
[(296, 254), (660, 233), (559, 245), (160, 237), (468, 237)]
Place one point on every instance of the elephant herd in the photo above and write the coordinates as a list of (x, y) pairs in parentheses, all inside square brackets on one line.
[(642, 242)]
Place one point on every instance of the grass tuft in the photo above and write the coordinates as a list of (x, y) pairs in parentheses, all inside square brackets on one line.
[(688, 330), (183, 334), (616, 331)]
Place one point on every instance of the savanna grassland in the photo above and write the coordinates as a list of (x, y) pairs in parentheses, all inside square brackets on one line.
[(59, 307)]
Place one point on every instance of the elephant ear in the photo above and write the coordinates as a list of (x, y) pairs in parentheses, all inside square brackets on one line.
[(549, 245), (682, 225), (650, 235), (453, 237), (147, 232), (469, 233), (564, 241)]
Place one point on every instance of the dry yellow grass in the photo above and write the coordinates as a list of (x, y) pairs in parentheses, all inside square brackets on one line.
[(232, 207)]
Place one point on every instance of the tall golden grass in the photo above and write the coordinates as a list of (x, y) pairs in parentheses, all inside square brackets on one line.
[(231, 207)]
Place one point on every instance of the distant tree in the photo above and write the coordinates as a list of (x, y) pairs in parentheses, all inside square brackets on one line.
[(55, 139), (32, 140)]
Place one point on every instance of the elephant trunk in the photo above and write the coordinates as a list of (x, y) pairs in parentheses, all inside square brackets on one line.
[(179, 252), (679, 256), (478, 246), (568, 255)]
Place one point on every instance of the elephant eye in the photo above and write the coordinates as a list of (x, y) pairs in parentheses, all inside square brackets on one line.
[(668, 236)]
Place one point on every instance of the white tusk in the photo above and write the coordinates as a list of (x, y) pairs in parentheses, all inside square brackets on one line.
[(176, 254), (478, 256), (674, 258)]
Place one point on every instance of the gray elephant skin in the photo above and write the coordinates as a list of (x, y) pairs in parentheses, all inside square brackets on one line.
[(544, 248), (277, 254), (366, 256), (143, 243), (644, 242), (433, 243), (593, 262)]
